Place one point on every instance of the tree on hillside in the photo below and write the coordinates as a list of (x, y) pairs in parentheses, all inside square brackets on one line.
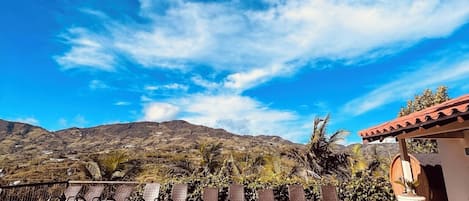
[(426, 99), (369, 176), (357, 160), (211, 157), (320, 156), (373, 165), (182, 167)]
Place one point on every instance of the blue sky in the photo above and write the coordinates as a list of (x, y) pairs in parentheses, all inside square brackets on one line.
[(250, 67)]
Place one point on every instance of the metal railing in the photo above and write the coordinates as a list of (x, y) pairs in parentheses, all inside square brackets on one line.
[(110, 186), (32, 192), (52, 191)]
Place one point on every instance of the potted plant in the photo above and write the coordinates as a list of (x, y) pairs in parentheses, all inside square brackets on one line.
[(409, 190)]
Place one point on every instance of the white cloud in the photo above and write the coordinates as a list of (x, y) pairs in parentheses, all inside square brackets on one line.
[(28, 120), (429, 75), (122, 103), (245, 80), (157, 111), (176, 86), (258, 45), (87, 50), (145, 99), (97, 84), (200, 81), (63, 122), (151, 88), (172, 86), (237, 114), (245, 48), (79, 121)]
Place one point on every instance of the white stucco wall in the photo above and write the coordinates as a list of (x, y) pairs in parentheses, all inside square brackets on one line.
[(455, 166)]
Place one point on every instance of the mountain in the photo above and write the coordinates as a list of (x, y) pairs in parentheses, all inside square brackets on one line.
[(32, 153), (151, 135)]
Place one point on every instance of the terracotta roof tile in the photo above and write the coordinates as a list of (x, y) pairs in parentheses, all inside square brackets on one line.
[(448, 108)]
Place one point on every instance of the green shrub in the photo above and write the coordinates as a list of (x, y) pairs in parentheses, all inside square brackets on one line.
[(111, 161), (196, 185), (364, 187)]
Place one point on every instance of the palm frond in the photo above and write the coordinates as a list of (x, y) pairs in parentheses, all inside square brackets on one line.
[(336, 138), (323, 128), (315, 134)]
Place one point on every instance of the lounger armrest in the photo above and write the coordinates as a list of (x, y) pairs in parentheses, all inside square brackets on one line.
[(96, 198), (56, 198), (60, 197)]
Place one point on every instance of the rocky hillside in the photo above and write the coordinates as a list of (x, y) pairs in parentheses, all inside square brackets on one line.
[(31, 153), (151, 135)]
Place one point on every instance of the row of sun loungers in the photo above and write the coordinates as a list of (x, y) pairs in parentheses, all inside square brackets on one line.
[(179, 192)]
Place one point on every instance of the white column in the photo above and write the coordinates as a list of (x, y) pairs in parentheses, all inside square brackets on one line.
[(407, 170), (405, 162)]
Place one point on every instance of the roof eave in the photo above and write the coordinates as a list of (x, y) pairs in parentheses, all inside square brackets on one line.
[(394, 133)]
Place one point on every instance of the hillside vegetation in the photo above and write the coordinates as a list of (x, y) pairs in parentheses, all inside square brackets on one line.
[(177, 151), (31, 154)]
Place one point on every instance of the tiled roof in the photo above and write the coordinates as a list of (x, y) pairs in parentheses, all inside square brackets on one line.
[(449, 108)]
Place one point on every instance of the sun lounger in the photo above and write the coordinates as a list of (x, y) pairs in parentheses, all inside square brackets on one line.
[(210, 194), (236, 192), (179, 192), (151, 191), (70, 193), (94, 193), (329, 193), (296, 193), (266, 195), (122, 193)]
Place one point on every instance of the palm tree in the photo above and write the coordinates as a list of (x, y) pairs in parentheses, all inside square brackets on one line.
[(211, 157), (357, 160), (230, 167), (321, 156), (373, 165), (112, 161), (182, 168)]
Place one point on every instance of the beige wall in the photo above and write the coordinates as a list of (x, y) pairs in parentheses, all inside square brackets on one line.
[(455, 166)]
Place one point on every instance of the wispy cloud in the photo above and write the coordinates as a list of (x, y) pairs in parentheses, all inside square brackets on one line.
[(77, 121), (172, 86), (122, 103), (244, 48), (145, 99), (63, 122), (428, 75), (158, 111), (235, 113), (246, 80), (240, 114), (87, 50), (258, 45), (209, 85), (97, 84), (28, 120)]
